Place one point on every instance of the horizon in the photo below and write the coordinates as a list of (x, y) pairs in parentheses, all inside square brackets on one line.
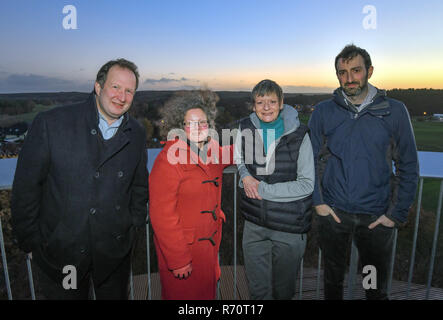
[(174, 90), (222, 45)]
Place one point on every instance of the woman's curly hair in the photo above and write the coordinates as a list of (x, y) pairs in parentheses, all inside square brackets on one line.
[(174, 110)]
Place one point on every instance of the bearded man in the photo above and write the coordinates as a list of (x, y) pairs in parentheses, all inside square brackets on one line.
[(356, 137)]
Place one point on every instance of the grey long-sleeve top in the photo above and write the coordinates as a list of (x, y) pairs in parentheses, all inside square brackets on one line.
[(298, 189)]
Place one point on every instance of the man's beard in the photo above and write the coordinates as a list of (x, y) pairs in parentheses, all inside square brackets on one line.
[(356, 91)]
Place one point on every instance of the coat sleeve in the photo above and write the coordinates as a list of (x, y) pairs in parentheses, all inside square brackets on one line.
[(296, 189), (139, 190), (164, 184), (317, 144), (30, 176), (238, 158), (406, 168)]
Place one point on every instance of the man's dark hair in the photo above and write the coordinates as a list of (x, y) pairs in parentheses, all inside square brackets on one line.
[(351, 51), (267, 87), (122, 63)]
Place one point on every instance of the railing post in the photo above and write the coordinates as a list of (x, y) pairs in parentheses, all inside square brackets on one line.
[(352, 270), (414, 241), (300, 294), (235, 235), (318, 274), (434, 244), (131, 283), (5, 263), (148, 257), (392, 263), (30, 277), (91, 284)]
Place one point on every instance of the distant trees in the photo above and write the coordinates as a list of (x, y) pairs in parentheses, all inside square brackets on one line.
[(140, 109), (147, 124), (155, 106), (305, 99), (419, 101), (15, 107), (224, 118)]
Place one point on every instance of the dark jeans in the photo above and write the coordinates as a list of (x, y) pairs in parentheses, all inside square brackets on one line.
[(115, 287), (374, 248)]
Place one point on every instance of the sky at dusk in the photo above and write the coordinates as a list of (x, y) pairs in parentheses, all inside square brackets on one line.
[(220, 44)]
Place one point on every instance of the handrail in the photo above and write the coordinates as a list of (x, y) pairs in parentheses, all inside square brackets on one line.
[(352, 267)]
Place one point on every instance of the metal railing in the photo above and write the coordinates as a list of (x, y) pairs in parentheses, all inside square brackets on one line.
[(353, 259)]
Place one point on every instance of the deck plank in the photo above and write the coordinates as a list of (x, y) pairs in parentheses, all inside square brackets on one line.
[(309, 292)]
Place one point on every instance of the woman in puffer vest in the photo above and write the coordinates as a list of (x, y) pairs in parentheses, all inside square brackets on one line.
[(276, 167)]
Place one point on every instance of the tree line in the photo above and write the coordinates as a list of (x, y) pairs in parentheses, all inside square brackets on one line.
[(231, 106), (15, 107), (419, 101)]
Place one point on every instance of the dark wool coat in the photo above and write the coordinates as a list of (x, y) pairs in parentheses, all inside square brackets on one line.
[(185, 211), (76, 198)]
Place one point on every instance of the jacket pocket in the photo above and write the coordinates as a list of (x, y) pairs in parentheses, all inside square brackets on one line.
[(55, 247)]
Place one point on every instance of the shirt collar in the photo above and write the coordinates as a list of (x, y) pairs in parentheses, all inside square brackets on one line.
[(104, 122)]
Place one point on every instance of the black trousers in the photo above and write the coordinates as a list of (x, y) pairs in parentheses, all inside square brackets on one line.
[(374, 248), (115, 287)]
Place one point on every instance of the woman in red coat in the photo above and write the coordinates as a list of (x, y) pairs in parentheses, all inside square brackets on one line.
[(185, 210)]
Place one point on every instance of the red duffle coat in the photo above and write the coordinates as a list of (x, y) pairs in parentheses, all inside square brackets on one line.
[(186, 216)]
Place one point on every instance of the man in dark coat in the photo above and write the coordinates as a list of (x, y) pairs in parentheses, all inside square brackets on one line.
[(80, 190), (356, 137)]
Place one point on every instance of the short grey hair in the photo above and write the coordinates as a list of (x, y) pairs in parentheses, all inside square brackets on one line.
[(267, 87)]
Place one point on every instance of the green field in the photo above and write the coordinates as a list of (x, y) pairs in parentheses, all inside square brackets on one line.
[(26, 117), (428, 135)]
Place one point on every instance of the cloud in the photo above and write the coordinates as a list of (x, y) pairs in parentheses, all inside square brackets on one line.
[(307, 89), (165, 80), (17, 83), (185, 88)]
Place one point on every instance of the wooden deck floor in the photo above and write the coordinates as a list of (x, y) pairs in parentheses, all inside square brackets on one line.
[(309, 292)]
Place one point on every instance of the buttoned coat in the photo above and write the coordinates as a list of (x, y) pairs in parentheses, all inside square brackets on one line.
[(186, 216), (77, 198)]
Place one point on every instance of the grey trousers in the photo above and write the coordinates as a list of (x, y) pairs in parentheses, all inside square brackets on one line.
[(272, 261)]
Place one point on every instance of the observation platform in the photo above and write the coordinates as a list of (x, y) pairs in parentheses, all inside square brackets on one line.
[(309, 287)]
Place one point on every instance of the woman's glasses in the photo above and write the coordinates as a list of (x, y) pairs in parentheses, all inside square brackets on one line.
[(200, 123)]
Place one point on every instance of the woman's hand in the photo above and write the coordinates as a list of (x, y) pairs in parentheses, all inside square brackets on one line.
[(250, 184), (184, 272)]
